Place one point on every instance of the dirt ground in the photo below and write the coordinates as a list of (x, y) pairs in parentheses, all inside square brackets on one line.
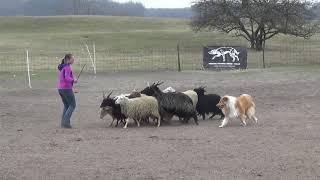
[(285, 144)]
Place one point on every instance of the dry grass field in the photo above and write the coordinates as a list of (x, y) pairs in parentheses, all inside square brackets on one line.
[(130, 44)]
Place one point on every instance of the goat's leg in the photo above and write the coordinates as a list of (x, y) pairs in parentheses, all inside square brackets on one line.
[(123, 121), (137, 121), (213, 115), (159, 121), (126, 125), (186, 120), (203, 116), (117, 122), (112, 123), (147, 120), (195, 117)]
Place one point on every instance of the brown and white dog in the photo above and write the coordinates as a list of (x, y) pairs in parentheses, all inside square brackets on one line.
[(242, 107)]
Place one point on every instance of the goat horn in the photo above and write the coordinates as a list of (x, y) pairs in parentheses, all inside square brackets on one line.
[(110, 94), (159, 83)]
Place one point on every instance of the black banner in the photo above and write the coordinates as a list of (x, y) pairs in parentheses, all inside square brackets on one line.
[(222, 57)]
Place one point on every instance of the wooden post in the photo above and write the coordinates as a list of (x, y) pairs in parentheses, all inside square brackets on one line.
[(263, 60), (179, 63), (263, 54), (94, 58)]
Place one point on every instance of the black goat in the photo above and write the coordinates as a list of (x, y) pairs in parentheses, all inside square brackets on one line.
[(108, 106), (207, 103), (175, 103)]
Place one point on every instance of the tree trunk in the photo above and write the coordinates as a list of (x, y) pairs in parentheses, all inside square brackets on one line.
[(259, 40), (263, 54), (259, 44), (252, 44)]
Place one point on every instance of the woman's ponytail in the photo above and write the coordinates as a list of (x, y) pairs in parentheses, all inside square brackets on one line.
[(62, 61)]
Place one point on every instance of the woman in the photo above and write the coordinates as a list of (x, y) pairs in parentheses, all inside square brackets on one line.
[(65, 89)]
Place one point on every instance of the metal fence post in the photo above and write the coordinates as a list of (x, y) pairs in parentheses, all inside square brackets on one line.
[(179, 63)]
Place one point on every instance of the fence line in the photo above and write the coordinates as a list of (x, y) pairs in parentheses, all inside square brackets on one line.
[(150, 59)]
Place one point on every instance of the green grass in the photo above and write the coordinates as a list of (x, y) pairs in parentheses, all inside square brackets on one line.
[(20, 78), (107, 32), (130, 43)]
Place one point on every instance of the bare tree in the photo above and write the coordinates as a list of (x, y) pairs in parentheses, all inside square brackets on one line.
[(256, 20)]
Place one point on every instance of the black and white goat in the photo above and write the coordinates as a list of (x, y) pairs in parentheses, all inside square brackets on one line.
[(175, 103), (108, 106), (207, 103)]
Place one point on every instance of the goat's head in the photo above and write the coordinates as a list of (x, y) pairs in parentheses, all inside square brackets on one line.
[(121, 99), (200, 91), (106, 105), (152, 90)]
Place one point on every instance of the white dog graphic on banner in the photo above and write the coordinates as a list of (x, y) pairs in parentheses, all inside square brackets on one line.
[(223, 51)]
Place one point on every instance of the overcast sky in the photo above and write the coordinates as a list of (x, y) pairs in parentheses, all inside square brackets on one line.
[(163, 3)]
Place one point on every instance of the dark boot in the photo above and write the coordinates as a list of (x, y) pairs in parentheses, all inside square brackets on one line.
[(67, 126)]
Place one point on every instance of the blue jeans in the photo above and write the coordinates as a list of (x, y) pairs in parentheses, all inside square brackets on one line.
[(69, 103)]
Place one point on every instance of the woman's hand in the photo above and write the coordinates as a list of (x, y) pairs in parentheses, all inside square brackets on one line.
[(75, 91), (75, 81)]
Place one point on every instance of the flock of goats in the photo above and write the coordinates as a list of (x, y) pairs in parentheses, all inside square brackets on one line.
[(152, 103)]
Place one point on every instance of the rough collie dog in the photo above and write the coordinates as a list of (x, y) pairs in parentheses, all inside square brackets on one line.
[(242, 107)]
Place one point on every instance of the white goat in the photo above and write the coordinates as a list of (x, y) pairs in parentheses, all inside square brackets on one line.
[(169, 89), (193, 95), (139, 108)]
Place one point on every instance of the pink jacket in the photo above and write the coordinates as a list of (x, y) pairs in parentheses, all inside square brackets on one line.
[(65, 77)]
